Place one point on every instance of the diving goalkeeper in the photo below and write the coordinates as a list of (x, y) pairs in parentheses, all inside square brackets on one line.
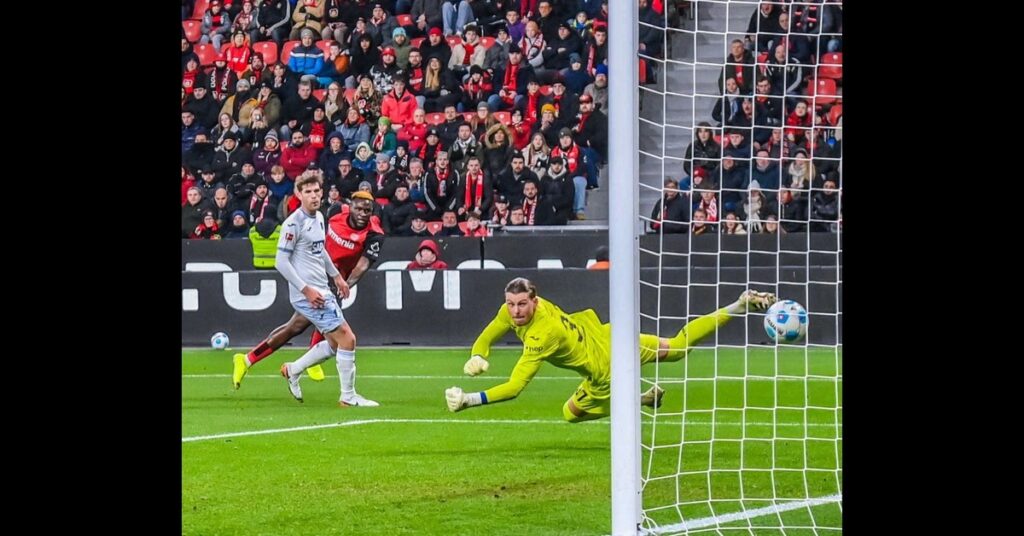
[(578, 342)]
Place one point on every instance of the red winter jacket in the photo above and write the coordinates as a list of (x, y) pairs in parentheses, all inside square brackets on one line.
[(294, 160)]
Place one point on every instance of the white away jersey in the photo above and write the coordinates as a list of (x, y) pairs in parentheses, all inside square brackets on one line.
[(302, 238)]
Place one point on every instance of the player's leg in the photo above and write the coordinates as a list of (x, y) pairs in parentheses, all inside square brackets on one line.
[(320, 350), (586, 404), (675, 348), (315, 371), (326, 319), (331, 322), (345, 339), (277, 338)]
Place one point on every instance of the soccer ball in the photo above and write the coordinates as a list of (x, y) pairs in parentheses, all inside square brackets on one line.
[(786, 322), (219, 341)]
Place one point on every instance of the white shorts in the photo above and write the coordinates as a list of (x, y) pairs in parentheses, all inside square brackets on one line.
[(326, 319)]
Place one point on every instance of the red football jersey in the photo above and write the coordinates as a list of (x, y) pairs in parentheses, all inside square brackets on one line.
[(345, 245)]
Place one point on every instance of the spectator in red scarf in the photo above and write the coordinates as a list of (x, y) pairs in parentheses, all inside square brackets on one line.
[(467, 53), (238, 54), (208, 229), (474, 227), (476, 191), (216, 25)]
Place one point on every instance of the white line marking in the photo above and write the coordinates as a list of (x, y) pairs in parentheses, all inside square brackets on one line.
[(743, 515), (371, 421), (474, 421)]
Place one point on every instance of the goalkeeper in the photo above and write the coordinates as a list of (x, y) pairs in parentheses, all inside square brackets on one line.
[(578, 342)]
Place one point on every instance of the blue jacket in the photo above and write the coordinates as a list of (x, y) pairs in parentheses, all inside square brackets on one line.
[(306, 60)]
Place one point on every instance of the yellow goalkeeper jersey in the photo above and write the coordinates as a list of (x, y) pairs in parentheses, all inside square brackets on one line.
[(575, 341)]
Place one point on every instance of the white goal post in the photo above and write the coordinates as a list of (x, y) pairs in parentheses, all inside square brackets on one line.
[(750, 436)]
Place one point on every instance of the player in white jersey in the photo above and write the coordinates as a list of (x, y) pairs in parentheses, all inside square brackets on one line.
[(303, 261)]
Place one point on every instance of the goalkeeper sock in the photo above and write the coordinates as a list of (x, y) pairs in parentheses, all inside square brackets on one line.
[(314, 356), (260, 352), (693, 332), (347, 371)]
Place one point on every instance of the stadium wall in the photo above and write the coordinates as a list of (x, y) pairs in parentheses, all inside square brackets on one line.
[(563, 250), (449, 308)]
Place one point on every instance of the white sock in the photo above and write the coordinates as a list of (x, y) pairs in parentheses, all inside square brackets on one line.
[(314, 356), (347, 372)]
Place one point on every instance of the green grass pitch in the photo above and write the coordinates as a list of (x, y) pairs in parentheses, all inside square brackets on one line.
[(757, 426)]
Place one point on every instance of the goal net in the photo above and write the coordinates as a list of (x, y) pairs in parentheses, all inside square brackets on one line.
[(749, 437)]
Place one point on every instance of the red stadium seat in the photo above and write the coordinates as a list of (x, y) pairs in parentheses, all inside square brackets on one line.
[(325, 45), (286, 51), (415, 42), (831, 66), (269, 51), (435, 118), (487, 42), (463, 226), (318, 94), (545, 90), (350, 94), (835, 113), (468, 116), (824, 91), (192, 30), (831, 58), (207, 54), (405, 20), (200, 8), (453, 40), (504, 117), (718, 139), (434, 227)]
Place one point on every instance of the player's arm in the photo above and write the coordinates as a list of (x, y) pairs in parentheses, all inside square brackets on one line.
[(523, 372), (333, 273), (494, 331), (283, 263), (371, 254)]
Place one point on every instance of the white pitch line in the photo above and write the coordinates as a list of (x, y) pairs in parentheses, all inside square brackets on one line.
[(369, 421), (467, 421), (743, 515)]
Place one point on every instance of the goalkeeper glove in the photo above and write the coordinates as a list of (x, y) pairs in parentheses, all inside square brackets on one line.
[(458, 400), (475, 366)]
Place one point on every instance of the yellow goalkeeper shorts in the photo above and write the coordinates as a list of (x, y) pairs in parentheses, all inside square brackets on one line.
[(594, 398)]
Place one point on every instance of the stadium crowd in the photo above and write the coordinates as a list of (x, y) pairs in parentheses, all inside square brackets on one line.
[(771, 162), (464, 116), (452, 114)]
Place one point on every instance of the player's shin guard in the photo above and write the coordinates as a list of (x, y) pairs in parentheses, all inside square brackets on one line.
[(693, 332), (262, 351), (347, 371)]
